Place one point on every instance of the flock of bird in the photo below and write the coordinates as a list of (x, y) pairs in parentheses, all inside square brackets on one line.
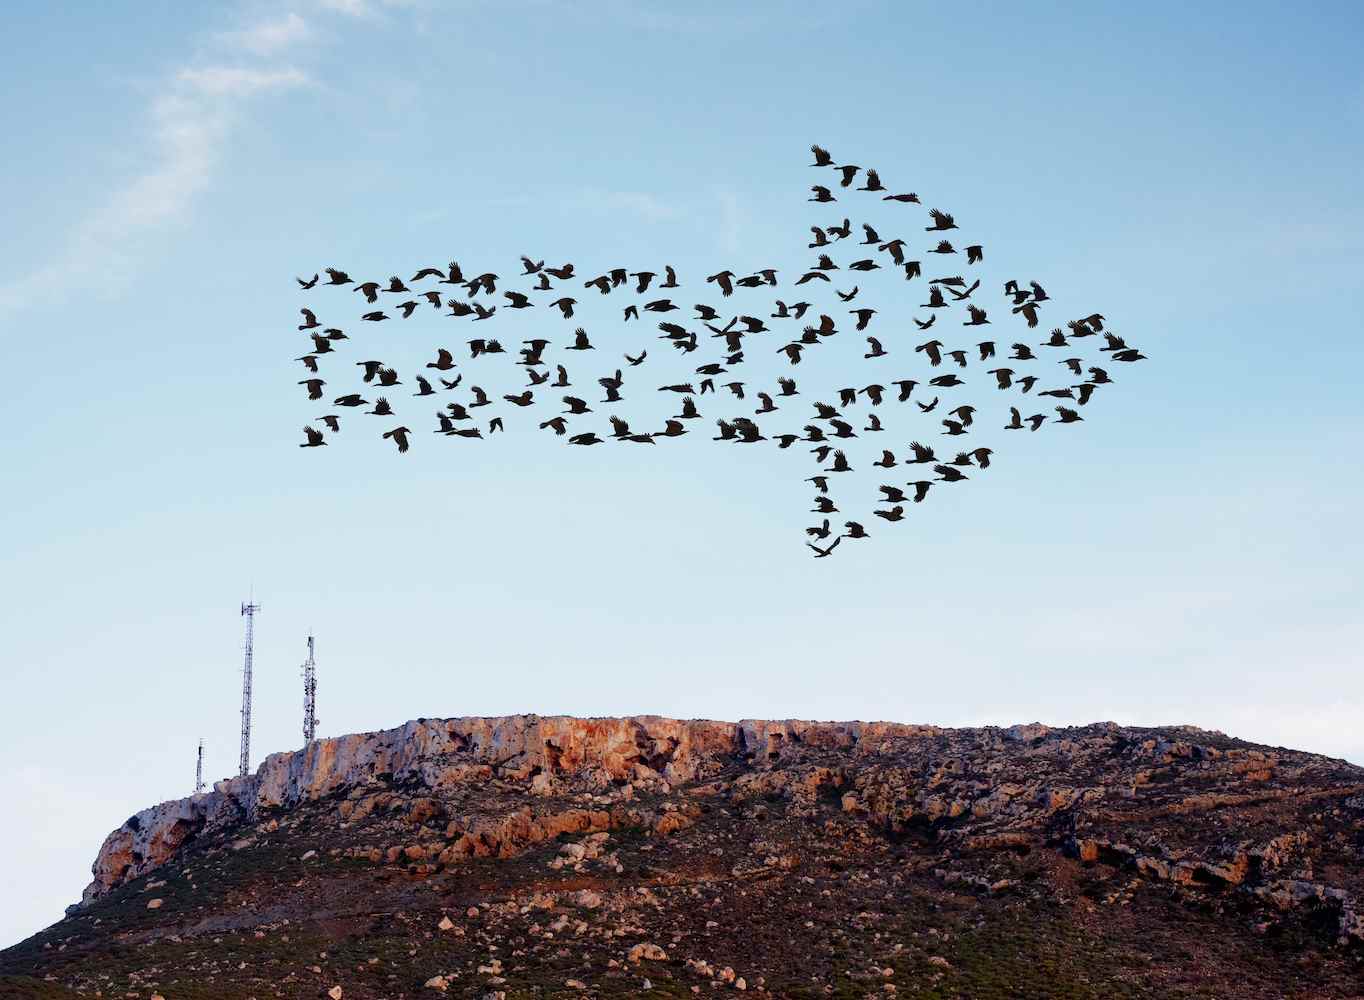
[(791, 331)]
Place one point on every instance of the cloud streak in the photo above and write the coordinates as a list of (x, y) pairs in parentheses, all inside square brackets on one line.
[(270, 36), (190, 122)]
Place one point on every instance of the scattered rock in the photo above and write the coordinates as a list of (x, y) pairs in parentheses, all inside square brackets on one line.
[(649, 951)]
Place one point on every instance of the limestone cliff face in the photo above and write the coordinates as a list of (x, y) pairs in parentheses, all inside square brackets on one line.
[(522, 855), (441, 754)]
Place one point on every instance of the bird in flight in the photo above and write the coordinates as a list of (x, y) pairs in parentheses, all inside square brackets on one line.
[(719, 364)]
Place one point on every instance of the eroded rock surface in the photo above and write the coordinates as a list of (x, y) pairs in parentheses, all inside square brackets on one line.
[(532, 856)]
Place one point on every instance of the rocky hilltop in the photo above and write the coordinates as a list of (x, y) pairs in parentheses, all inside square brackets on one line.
[(533, 856)]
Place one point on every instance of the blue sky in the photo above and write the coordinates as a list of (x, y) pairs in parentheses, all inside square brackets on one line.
[(1188, 554)]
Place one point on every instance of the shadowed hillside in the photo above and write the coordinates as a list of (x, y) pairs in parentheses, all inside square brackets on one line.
[(534, 857)]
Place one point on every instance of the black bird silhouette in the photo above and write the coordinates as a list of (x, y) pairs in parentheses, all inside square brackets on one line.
[(1029, 311), (948, 474), (1067, 415), (963, 295), (381, 408), (822, 158), (332, 421), (975, 254), (820, 531), (827, 551), (896, 513), (580, 341), (443, 363), (931, 350), (313, 434), (309, 320), (307, 284), (724, 280), (821, 194), (941, 221), (335, 277)]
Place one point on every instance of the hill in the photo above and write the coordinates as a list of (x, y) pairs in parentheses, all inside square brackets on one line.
[(529, 856)]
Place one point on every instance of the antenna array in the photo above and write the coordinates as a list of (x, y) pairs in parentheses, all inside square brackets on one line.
[(309, 697), (249, 612)]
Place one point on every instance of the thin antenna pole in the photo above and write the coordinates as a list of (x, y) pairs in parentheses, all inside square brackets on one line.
[(309, 697), (249, 611), (199, 771)]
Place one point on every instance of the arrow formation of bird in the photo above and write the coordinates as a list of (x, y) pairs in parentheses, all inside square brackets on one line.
[(832, 427)]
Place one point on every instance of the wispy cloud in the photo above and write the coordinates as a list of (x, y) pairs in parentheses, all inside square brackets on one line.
[(270, 36), (189, 124), (355, 8), (238, 81)]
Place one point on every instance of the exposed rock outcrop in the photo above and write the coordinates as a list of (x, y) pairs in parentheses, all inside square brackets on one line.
[(443, 755), (527, 856)]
